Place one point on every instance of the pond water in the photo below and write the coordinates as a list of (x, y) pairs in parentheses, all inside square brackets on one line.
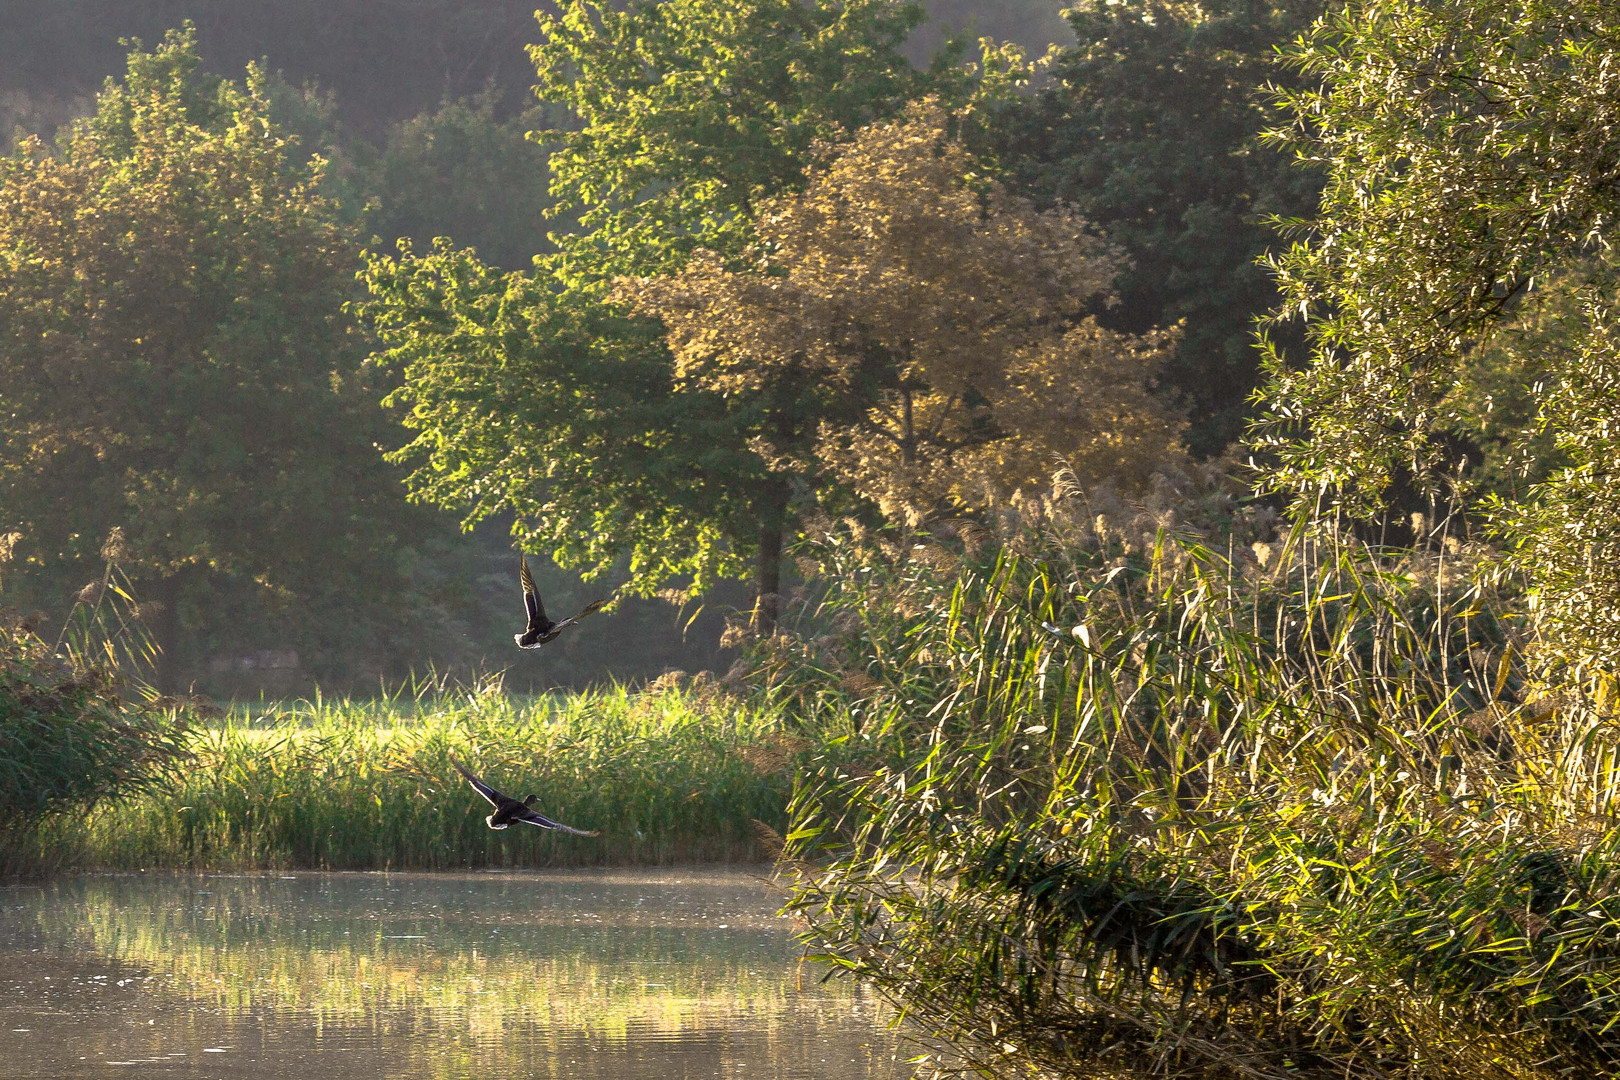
[(623, 975)]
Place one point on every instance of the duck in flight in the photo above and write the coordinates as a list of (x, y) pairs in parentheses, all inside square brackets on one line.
[(508, 809), (541, 629)]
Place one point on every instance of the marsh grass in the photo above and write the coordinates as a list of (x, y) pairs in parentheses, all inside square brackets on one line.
[(665, 776), (1104, 799)]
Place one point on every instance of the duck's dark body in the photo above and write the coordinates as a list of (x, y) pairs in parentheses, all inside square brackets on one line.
[(509, 810), (540, 629)]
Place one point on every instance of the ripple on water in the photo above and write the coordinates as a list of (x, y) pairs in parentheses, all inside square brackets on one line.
[(624, 975)]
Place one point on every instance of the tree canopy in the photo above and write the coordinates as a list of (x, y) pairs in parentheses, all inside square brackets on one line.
[(1149, 128), (1468, 147), (938, 324), (532, 393), (174, 358), (690, 111)]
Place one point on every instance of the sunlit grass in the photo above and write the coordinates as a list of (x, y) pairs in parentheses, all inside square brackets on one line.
[(346, 784)]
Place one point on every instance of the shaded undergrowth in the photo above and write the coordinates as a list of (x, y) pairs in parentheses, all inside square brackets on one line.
[(75, 730), (1105, 799)]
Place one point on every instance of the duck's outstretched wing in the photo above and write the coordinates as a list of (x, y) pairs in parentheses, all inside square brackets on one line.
[(594, 605), (532, 607), (479, 786), (532, 818)]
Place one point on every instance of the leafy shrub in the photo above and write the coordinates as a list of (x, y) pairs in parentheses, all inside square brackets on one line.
[(75, 727), (68, 737)]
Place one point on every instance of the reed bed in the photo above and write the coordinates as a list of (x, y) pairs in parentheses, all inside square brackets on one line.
[(1103, 799), (667, 776)]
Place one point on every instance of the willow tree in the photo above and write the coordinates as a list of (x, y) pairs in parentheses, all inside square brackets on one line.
[(944, 327), (1469, 150), (174, 358), (533, 394)]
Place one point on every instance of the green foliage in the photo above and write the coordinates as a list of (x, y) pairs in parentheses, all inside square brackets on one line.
[(689, 114), (174, 360), (667, 775), (1033, 25), (1111, 799), (692, 110), (527, 403), (68, 739), (1568, 533), (74, 730), (461, 171), (1466, 147), (1150, 132), (1493, 412)]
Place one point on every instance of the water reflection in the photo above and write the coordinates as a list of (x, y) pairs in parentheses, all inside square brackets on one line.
[(621, 974)]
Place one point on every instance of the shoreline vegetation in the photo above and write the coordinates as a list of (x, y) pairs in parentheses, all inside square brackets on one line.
[(1122, 798), (668, 775), (1156, 784), (1294, 762)]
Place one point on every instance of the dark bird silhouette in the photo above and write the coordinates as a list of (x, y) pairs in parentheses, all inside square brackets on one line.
[(541, 629), (508, 809)]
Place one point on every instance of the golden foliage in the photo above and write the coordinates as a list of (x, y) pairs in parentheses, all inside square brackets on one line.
[(940, 323)]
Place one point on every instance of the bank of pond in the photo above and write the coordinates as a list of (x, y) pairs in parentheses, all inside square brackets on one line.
[(1094, 801)]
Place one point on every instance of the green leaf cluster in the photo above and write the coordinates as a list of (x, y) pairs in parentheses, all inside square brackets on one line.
[(690, 111), (1467, 147), (531, 393), (1149, 129)]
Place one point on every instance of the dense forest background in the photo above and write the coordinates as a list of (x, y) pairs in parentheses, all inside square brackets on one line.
[(1144, 122), (383, 63)]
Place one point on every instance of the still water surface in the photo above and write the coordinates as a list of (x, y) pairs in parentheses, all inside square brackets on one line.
[(622, 975)]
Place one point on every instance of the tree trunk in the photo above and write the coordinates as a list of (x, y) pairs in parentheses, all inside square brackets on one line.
[(908, 431), (165, 628), (768, 580)]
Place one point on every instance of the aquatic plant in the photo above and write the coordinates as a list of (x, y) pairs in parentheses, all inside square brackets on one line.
[(666, 776), (1106, 797)]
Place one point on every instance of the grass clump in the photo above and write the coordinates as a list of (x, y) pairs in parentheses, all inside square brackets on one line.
[(667, 775), (1106, 800), (74, 733)]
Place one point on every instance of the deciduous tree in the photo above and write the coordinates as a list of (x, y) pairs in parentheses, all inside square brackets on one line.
[(1469, 148), (939, 325), (531, 394), (174, 358), (1149, 128)]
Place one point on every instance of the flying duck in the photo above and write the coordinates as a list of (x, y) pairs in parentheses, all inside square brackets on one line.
[(541, 629), (508, 809)]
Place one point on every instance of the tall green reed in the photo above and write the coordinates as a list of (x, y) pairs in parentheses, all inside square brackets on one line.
[(76, 729), (667, 775), (1108, 798)]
